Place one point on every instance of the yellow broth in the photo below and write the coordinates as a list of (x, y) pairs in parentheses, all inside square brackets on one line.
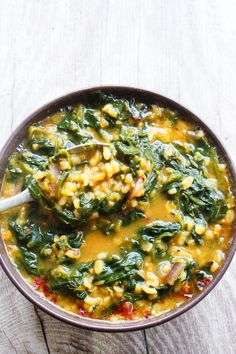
[(148, 218)]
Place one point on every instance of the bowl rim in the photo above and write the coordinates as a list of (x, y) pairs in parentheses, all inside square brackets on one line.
[(34, 297)]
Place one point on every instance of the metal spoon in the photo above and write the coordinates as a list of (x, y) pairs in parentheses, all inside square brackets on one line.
[(25, 196)]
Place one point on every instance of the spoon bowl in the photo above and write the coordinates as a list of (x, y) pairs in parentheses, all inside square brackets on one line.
[(25, 196)]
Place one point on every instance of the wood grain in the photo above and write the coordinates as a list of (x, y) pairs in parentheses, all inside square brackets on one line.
[(182, 49), (63, 338)]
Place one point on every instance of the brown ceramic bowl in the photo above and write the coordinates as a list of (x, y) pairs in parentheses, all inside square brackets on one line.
[(99, 325)]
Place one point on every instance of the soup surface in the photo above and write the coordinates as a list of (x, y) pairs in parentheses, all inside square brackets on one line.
[(123, 231)]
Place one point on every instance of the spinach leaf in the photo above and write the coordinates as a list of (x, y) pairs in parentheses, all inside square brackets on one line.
[(13, 174), (36, 192), (33, 160), (100, 99), (69, 124), (91, 119), (111, 308), (88, 205), (29, 234), (120, 269), (151, 182), (126, 150), (189, 269), (29, 260), (75, 239), (69, 287), (64, 215), (43, 146), (69, 282), (159, 229), (132, 216)]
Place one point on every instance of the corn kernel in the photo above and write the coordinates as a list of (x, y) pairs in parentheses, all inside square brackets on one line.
[(118, 290), (187, 182), (217, 229), (172, 191), (110, 110), (134, 203), (189, 223), (222, 167), (97, 177), (102, 255), (155, 309), (219, 256), (95, 159), (182, 237), (214, 267), (106, 153), (85, 177), (98, 266), (129, 178), (200, 229), (138, 190), (165, 267), (88, 281), (92, 300), (106, 300), (209, 235), (76, 203), (125, 189), (148, 290), (143, 163), (73, 254), (103, 123), (138, 289), (191, 242), (64, 165), (146, 246), (68, 189), (168, 151)]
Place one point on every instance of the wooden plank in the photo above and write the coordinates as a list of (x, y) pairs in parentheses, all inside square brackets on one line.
[(63, 338)]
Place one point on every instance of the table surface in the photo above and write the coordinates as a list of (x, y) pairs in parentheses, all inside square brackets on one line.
[(183, 49)]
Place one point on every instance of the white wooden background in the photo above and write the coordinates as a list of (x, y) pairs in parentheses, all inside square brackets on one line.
[(180, 48)]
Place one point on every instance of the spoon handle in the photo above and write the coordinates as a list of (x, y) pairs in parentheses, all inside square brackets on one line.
[(18, 199)]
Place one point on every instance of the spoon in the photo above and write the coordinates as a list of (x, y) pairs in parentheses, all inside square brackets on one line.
[(25, 196)]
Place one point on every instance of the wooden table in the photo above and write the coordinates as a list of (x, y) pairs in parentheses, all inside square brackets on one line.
[(182, 49)]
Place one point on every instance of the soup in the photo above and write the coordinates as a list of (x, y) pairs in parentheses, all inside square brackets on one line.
[(131, 225)]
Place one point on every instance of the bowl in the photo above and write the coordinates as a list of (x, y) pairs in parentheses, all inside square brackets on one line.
[(36, 298)]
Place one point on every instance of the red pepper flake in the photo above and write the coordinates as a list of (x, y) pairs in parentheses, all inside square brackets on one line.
[(46, 290), (203, 283), (53, 298), (146, 314), (207, 281), (40, 284), (84, 313), (126, 309)]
